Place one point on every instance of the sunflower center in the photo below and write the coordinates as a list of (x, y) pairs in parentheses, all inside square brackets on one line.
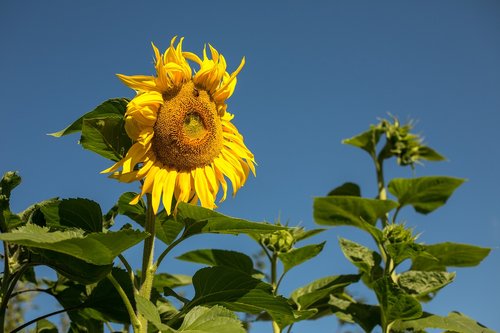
[(188, 131)]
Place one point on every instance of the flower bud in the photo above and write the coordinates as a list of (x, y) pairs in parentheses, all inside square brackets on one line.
[(280, 241)]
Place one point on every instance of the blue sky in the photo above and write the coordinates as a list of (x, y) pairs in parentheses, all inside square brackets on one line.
[(317, 72)]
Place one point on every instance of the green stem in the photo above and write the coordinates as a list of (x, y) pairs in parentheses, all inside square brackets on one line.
[(136, 324), (148, 266), (7, 293), (274, 262), (5, 286)]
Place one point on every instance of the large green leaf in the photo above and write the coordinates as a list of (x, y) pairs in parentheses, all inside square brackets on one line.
[(366, 260), (94, 248), (425, 194), (216, 319), (214, 257), (348, 210), (238, 291), (73, 213), (454, 322), (405, 250), (71, 267), (421, 283), (367, 140), (449, 255), (199, 220), (365, 315), (348, 189), (395, 303), (105, 136), (165, 280), (319, 291), (150, 312), (167, 227), (299, 255)]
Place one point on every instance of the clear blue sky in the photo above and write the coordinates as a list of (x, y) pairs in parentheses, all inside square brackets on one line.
[(316, 72)]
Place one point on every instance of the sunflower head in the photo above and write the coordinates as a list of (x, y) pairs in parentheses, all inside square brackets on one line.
[(185, 146)]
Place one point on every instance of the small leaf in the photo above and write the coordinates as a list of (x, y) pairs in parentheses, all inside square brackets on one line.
[(367, 140), (404, 250), (449, 255), (454, 322), (365, 315), (150, 312), (430, 154), (73, 213), (421, 283), (366, 260), (106, 137), (347, 189), (425, 194), (238, 291), (115, 107), (300, 234), (94, 248), (216, 319), (214, 257), (199, 220), (299, 255), (319, 291), (395, 302), (163, 280)]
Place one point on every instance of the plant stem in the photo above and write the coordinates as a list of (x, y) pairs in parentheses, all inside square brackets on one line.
[(5, 286), (274, 261), (133, 318), (10, 285), (148, 266)]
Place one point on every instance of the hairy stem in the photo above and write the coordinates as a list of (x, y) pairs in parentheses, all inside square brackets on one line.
[(148, 266), (136, 324), (274, 262)]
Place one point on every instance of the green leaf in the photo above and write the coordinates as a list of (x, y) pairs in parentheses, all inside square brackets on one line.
[(299, 255), (300, 234), (94, 248), (150, 312), (199, 220), (106, 136), (318, 291), (45, 326), (449, 255), (165, 280), (73, 213), (395, 303), (216, 319), (366, 260), (347, 189), (367, 140), (404, 250), (429, 154), (347, 210), (167, 227), (115, 108), (214, 257), (425, 194), (421, 283), (238, 291), (365, 315), (70, 267), (454, 322)]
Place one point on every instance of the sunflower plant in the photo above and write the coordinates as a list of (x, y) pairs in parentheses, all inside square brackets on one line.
[(175, 139)]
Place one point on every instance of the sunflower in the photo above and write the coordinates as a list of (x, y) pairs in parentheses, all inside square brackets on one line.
[(185, 145)]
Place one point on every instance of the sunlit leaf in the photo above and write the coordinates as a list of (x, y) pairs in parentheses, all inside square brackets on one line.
[(454, 322), (396, 303), (216, 319), (449, 255), (150, 312), (421, 283), (425, 194), (366, 260), (367, 140), (94, 248)]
